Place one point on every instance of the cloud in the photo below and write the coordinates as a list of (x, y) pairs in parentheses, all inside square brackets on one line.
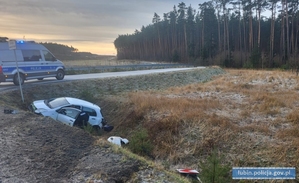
[(66, 21)]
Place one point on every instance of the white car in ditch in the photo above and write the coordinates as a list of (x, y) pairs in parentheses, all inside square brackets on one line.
[(71, 111)]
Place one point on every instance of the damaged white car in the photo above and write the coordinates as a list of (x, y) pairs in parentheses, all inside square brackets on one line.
[(71, 111)]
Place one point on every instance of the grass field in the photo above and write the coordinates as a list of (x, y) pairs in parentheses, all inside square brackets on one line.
[(104, 60), (250, 117), (91, 66)]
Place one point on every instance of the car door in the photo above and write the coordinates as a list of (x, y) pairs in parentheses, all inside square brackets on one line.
[(94, 118), (33, 61), (50, 63), (67, 115)]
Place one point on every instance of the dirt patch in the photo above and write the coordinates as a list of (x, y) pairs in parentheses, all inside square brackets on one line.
[(38, 149)]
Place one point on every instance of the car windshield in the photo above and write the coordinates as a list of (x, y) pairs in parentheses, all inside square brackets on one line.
[(56, 102)]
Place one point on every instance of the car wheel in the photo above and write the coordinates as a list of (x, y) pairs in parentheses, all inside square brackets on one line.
[(16, 79), (60, 74)]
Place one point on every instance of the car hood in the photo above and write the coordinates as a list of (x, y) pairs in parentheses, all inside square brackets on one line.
[(39, 106)]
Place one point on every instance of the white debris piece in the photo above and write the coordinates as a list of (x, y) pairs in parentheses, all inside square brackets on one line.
[(118, 140)]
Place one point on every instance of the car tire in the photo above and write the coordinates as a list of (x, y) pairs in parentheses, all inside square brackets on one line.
[(60, 74), (16, 79)]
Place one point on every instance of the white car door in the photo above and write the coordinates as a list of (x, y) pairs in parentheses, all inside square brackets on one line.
[(67, 115), (95, 119)]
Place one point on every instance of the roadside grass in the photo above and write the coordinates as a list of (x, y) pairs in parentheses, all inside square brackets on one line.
[(92, 66), (105, 60), (87, 95), (72, 71), (293, 116), (88, 128)]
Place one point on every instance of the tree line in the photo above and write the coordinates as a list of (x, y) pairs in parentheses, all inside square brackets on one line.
[(230, 33), (65, 52)]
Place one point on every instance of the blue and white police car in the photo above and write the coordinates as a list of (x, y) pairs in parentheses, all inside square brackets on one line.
[(26, 61)]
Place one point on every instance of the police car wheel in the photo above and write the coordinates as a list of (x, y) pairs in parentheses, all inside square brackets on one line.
[(60, 75), (16, 79)]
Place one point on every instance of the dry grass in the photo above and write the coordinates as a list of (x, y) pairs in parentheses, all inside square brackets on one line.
[(104, 60), (251, 116), (293, 116)]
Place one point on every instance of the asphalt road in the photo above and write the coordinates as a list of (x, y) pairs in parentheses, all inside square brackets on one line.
[(10, 86)]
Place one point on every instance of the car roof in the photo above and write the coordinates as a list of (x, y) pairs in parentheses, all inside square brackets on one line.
[(24, 46), (81, 102)]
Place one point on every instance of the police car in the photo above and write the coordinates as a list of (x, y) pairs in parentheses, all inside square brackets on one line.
[(28, 60)]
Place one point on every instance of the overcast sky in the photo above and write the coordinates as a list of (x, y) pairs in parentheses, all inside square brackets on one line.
[(89, 25)]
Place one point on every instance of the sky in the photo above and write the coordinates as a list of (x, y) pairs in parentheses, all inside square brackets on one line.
[(88, 25)]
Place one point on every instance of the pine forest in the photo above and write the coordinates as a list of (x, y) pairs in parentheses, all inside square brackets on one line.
[(228, 33)]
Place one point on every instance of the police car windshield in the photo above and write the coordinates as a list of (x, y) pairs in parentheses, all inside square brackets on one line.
[(56, 102)]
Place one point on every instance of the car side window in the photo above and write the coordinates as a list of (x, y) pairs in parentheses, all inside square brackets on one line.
[(61, 111), (89, 111), (75, 106), (31, 55), (48, 56), (70, 112)]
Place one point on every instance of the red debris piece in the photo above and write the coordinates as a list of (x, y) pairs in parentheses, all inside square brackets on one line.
[(188, 171)]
